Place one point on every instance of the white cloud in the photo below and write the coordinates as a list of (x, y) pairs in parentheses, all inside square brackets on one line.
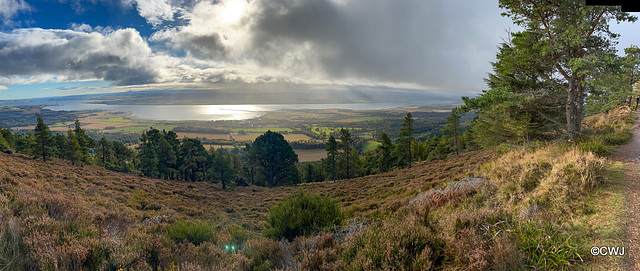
[(154, 11), (10, 8), (40, 55), (3, 87)]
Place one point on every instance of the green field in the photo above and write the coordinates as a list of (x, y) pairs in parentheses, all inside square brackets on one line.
[(117, 120), (370, 146), (322, 130)]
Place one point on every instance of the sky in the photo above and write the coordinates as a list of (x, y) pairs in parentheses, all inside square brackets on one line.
[(67, 47)]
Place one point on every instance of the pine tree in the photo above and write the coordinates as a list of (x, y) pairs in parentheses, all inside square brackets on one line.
[(345, 146), (385, 159), (104, 151), (275, 156), (222, 167), (73, 151), (149, 161), (123, 156), (332, 153), (43, 138), (405, 139), (166, 159), (8, 136), (84, 141), (453, 127)]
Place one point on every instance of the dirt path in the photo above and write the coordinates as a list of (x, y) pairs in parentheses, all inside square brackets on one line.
[(630, 154)]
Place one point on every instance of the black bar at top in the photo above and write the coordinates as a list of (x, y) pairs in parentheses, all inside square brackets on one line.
[(626, 5)]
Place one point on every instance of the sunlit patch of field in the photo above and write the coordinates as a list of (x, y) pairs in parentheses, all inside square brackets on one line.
[(310, 155), (262, 130), (205, 136), (371, 146), (117, 120)]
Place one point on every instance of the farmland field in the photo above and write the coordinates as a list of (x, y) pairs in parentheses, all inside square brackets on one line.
[(310, 155)]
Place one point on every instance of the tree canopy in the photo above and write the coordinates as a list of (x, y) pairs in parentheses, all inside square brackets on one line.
[(272, 153)]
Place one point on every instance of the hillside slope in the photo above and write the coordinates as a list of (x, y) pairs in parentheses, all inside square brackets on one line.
[(56, 215)]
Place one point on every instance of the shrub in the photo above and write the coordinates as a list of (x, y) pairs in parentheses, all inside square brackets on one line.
[(619, 138), (543, 247), (405, 244), (264, 254), (194, 232), (302, 214), (595, 147)]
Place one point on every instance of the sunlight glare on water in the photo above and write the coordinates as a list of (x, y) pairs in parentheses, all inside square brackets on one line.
[(229, 112)]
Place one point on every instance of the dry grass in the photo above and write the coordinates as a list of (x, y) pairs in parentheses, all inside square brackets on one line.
[(551, 175), (429, 216)]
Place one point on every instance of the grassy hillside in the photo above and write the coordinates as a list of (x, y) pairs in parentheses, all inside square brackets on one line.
[(519, 207)]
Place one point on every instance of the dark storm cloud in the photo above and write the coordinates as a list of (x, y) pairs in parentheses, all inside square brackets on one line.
[(121, 56), (431, 43)]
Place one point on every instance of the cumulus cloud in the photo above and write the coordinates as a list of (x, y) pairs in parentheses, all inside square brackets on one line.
[(154, 11), (38, 55), (10, 8), (408, 42)]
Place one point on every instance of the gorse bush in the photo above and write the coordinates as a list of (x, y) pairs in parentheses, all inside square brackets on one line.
[(194, 232), (302, 214)]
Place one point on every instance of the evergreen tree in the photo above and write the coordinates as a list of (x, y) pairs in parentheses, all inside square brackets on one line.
[(194, 160), (404, 141), (26, 144), (60, 145), (73, 150), (453, 127), (385, 160), (560, 43), (222, 167), (84, 141), (43, 138), (4, 146), (9, 138), (104, 152), (166, 159), (276, 158), (123, 157), (345, 146), (332, 153), (149, 161)]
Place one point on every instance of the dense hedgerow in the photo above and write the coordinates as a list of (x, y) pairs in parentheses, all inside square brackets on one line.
[(302, 214)]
